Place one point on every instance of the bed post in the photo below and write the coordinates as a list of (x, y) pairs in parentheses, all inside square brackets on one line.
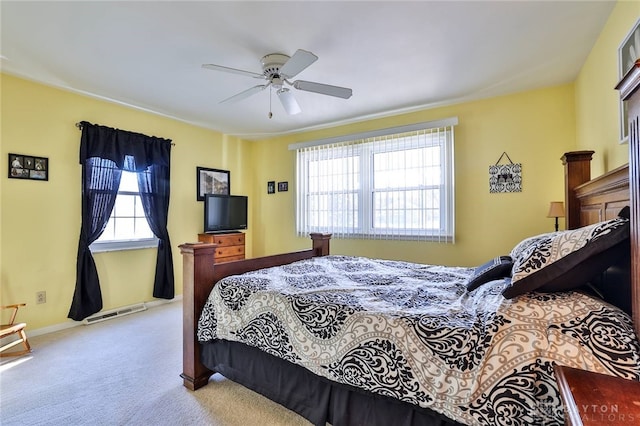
[(320, 243), (629, 89), (197, 262), (577, 170)]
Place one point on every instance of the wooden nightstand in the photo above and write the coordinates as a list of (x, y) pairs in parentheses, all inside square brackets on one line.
[(597, 399)]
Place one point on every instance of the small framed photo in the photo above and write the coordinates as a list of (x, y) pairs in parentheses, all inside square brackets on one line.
[(28, 167), (283, 186), (271, 187), (628, 53), (29, 162), (212, 181)]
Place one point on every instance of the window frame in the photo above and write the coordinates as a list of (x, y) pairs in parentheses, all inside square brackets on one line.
[(446, 178), (99, 246), (366, 150)]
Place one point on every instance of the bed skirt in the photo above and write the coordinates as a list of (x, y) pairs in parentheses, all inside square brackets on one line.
[(313, 397)]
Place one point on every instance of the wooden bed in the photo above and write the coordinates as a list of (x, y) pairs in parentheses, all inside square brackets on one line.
[(587, 201)]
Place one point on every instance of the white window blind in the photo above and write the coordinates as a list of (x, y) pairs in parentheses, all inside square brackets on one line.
[(391, 184)]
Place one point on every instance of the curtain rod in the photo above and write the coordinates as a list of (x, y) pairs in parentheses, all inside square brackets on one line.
[(79, 126)]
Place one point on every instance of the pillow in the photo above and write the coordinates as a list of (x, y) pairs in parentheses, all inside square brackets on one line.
[(517, 251), (568, 259), (494, 269)]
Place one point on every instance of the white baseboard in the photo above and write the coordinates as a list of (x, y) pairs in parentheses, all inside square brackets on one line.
[(71, 323)]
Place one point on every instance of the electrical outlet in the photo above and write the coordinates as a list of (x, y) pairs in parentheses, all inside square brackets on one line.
[(41, 297)]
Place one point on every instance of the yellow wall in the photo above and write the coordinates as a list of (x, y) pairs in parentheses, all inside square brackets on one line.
[(535, 128), (40, 221), (597, 112)]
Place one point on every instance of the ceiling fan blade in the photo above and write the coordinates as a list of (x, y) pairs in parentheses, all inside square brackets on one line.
[(232, 70), (245, 94), (324, 89), (298, 62), (288, 101)]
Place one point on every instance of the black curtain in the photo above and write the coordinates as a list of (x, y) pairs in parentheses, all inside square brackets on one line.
[(100, 182), (154, 193), (104, 153)]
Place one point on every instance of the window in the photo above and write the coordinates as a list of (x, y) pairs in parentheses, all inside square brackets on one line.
[(392, 184), (127, 227)]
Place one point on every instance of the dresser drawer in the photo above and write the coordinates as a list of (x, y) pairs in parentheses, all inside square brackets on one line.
[(229, 251), (230, 246), (223, 239), (230, 240)]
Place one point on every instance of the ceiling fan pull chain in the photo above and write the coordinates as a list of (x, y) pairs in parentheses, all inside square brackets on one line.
[(270, 93)]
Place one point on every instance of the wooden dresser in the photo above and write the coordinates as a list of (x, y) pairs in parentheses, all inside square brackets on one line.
[(230, 246)]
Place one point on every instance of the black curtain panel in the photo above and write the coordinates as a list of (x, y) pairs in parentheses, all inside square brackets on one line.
[(154, 193), (104, 153), (100, 182)]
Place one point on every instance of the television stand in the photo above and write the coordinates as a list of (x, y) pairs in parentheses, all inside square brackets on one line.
[(230, 245)]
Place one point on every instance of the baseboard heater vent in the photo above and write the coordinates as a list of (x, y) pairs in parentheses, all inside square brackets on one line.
[(114, 313)]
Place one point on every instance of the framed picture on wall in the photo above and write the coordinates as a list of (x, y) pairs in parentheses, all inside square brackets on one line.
[(28, 167), (212, 181), (628, 53)]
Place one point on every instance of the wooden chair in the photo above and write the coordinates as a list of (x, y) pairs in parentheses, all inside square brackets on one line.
[(7, 330)]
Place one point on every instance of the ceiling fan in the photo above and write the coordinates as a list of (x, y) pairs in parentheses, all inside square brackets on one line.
[(277, 69)]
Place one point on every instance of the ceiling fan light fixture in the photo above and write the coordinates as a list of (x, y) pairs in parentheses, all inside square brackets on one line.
[(288, 101), (277, 82)]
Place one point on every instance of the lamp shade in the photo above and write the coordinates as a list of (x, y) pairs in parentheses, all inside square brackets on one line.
[(556, 209)]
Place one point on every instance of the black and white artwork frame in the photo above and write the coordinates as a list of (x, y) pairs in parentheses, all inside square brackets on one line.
[(212, 181), (22, 166)]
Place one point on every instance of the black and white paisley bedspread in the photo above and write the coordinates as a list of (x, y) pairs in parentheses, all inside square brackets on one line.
[(413, 332)]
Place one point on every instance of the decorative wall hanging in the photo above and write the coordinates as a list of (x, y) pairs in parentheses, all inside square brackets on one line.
[(271, 187), (212, 181), (28, 167), (283, 186), (505, 177)]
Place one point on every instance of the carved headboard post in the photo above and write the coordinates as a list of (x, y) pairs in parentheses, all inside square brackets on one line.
[(577, 170), (629, 89)]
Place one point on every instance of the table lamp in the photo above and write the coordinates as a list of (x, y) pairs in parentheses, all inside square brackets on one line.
[(556, 209)]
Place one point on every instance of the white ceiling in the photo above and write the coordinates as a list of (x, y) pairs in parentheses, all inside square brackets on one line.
[(396, 56)]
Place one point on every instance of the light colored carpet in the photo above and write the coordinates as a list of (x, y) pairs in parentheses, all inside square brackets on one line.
[(124, 371)]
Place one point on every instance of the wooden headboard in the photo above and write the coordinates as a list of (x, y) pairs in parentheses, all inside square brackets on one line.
[(590, 201)]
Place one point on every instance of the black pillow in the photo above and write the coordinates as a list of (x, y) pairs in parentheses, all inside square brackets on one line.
[(494, 269), (569, 259)]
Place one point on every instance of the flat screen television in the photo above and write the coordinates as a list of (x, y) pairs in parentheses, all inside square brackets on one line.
[(225, 213)]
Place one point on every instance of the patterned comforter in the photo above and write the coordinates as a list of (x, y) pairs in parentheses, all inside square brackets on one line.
[(413, 332)]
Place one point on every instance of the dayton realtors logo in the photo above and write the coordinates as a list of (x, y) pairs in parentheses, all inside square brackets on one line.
[(605, 413)]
